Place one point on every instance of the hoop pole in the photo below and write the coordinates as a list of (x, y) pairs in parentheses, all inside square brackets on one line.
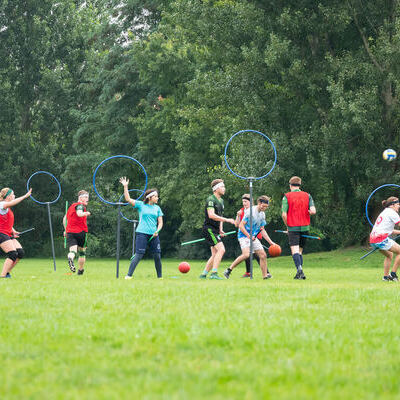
[(51, 236), (134, 238), (66, 224), (118, 237), (251, 227)]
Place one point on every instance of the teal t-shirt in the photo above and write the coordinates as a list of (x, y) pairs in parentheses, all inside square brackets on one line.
[(148, 215)]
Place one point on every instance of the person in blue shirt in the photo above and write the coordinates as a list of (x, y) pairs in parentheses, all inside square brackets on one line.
[(259, 223), (150, 224)]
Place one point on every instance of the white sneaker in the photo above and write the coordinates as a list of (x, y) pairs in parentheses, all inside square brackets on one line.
[(127, 277)]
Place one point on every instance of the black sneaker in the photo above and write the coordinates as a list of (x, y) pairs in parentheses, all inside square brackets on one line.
[(268, 276), (8, 275), (80, 271), (394, 276), (387, 278), (227, 273), (300, 275), (71, 265)]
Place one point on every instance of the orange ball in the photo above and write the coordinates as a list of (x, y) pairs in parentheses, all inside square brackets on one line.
[(275, 250), (184, 267)]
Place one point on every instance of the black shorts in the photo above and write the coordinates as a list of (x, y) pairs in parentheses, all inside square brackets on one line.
[(4, 237), (296, 238), (211, 235), (77, 239)]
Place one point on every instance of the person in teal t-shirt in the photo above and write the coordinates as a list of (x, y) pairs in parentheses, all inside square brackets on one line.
[(150, 224)]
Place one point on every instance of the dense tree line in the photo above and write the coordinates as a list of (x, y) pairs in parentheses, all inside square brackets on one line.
[(168, 82)]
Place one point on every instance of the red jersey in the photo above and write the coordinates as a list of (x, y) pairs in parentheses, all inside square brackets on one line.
[(298, 214), (76, 224), (241, 215), (6, 222)]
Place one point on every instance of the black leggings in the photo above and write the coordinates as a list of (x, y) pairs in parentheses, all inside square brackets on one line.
[(138, 257)]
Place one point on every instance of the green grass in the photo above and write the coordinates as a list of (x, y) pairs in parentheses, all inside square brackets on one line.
[(332, 336)]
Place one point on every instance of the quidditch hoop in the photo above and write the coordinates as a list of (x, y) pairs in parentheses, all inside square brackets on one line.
[(130, 190), (47, 173), (249, 177), (380, 187), (104, 161)]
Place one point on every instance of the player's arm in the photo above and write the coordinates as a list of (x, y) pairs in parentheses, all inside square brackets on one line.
[(242, 227), (124, 182), (285, 208), (211, 214), (12, 203), (311, 207), (160, 224), (80, 212), (266, 237)]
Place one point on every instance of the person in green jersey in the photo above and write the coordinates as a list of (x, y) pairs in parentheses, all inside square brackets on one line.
[(297, 206), (213, 228)]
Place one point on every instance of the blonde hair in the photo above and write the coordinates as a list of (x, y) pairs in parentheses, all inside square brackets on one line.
[(83, 193), (215, 182), (263, 199), (295, 180), (3, 192)]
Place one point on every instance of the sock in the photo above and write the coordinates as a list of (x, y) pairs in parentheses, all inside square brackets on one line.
[(247, 265), (214, 271), (205, 272), (301, 259), (297, 261), (134, 263), (157, 264)]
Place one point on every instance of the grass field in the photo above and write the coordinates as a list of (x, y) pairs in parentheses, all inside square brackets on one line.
[(335, 335)]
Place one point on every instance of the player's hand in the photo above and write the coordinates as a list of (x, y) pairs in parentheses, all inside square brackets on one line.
[(16, 234), (28, 193), (64, 234), (230, 221), (124, 181), (88, 214), (221, 233)]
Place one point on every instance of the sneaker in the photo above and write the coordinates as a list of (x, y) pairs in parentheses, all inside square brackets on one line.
[(387, 278), (268, 276), (203, 276), (214, 275), (81, 271), (394, 276), (8, 275), (300, 275), (227, 273), (71, 265), (127, 277), (246, 275)]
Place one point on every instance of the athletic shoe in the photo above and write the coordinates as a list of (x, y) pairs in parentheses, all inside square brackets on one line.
[(246, 275), (71, 265), (203, 276), (8, 275), (394, 276), (227, 273), (214, 275), (387, 278), (269, 276), (81, 271), (127, 277), (300, 275)]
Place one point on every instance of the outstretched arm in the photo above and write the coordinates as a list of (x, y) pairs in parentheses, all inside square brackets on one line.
[(124, 182), (14, 202)]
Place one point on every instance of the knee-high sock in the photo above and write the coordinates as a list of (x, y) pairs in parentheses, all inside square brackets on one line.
[(297, 260), (157, 264), (134, 263), (301, 260)]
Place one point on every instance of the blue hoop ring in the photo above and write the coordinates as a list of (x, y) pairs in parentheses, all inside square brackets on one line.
[(250, 177), (110, 158), (47, 173), (366, 204), (122, 215)]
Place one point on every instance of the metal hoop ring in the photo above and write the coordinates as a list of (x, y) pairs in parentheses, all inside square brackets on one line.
[(249, 177), (130, 190), (47, 173), (366, 204), (104, 161)]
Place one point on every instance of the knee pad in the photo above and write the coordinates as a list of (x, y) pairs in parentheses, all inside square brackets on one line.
[(82, 253), (12, 255), (21, 253)]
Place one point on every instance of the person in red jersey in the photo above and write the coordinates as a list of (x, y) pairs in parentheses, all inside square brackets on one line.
[(75, 228), (297, 206), (8, 242)]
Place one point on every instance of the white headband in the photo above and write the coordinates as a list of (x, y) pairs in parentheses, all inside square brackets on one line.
[(218, 185), (151, 194)]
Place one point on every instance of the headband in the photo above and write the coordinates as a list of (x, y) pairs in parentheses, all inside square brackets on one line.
[(392, 202), (151, 194), (246, 198), (295, 184), (9, 191), (264, 201), (218, 185)]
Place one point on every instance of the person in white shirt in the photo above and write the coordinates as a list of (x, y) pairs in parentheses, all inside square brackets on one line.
[(380, 237)]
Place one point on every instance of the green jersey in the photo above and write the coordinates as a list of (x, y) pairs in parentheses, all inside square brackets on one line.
[(218, 207)]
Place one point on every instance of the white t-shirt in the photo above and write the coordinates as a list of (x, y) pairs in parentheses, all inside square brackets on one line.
[(3, 211), (384, 225)]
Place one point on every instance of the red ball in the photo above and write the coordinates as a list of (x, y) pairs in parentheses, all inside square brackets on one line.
[(184, 267), (275, 250)]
